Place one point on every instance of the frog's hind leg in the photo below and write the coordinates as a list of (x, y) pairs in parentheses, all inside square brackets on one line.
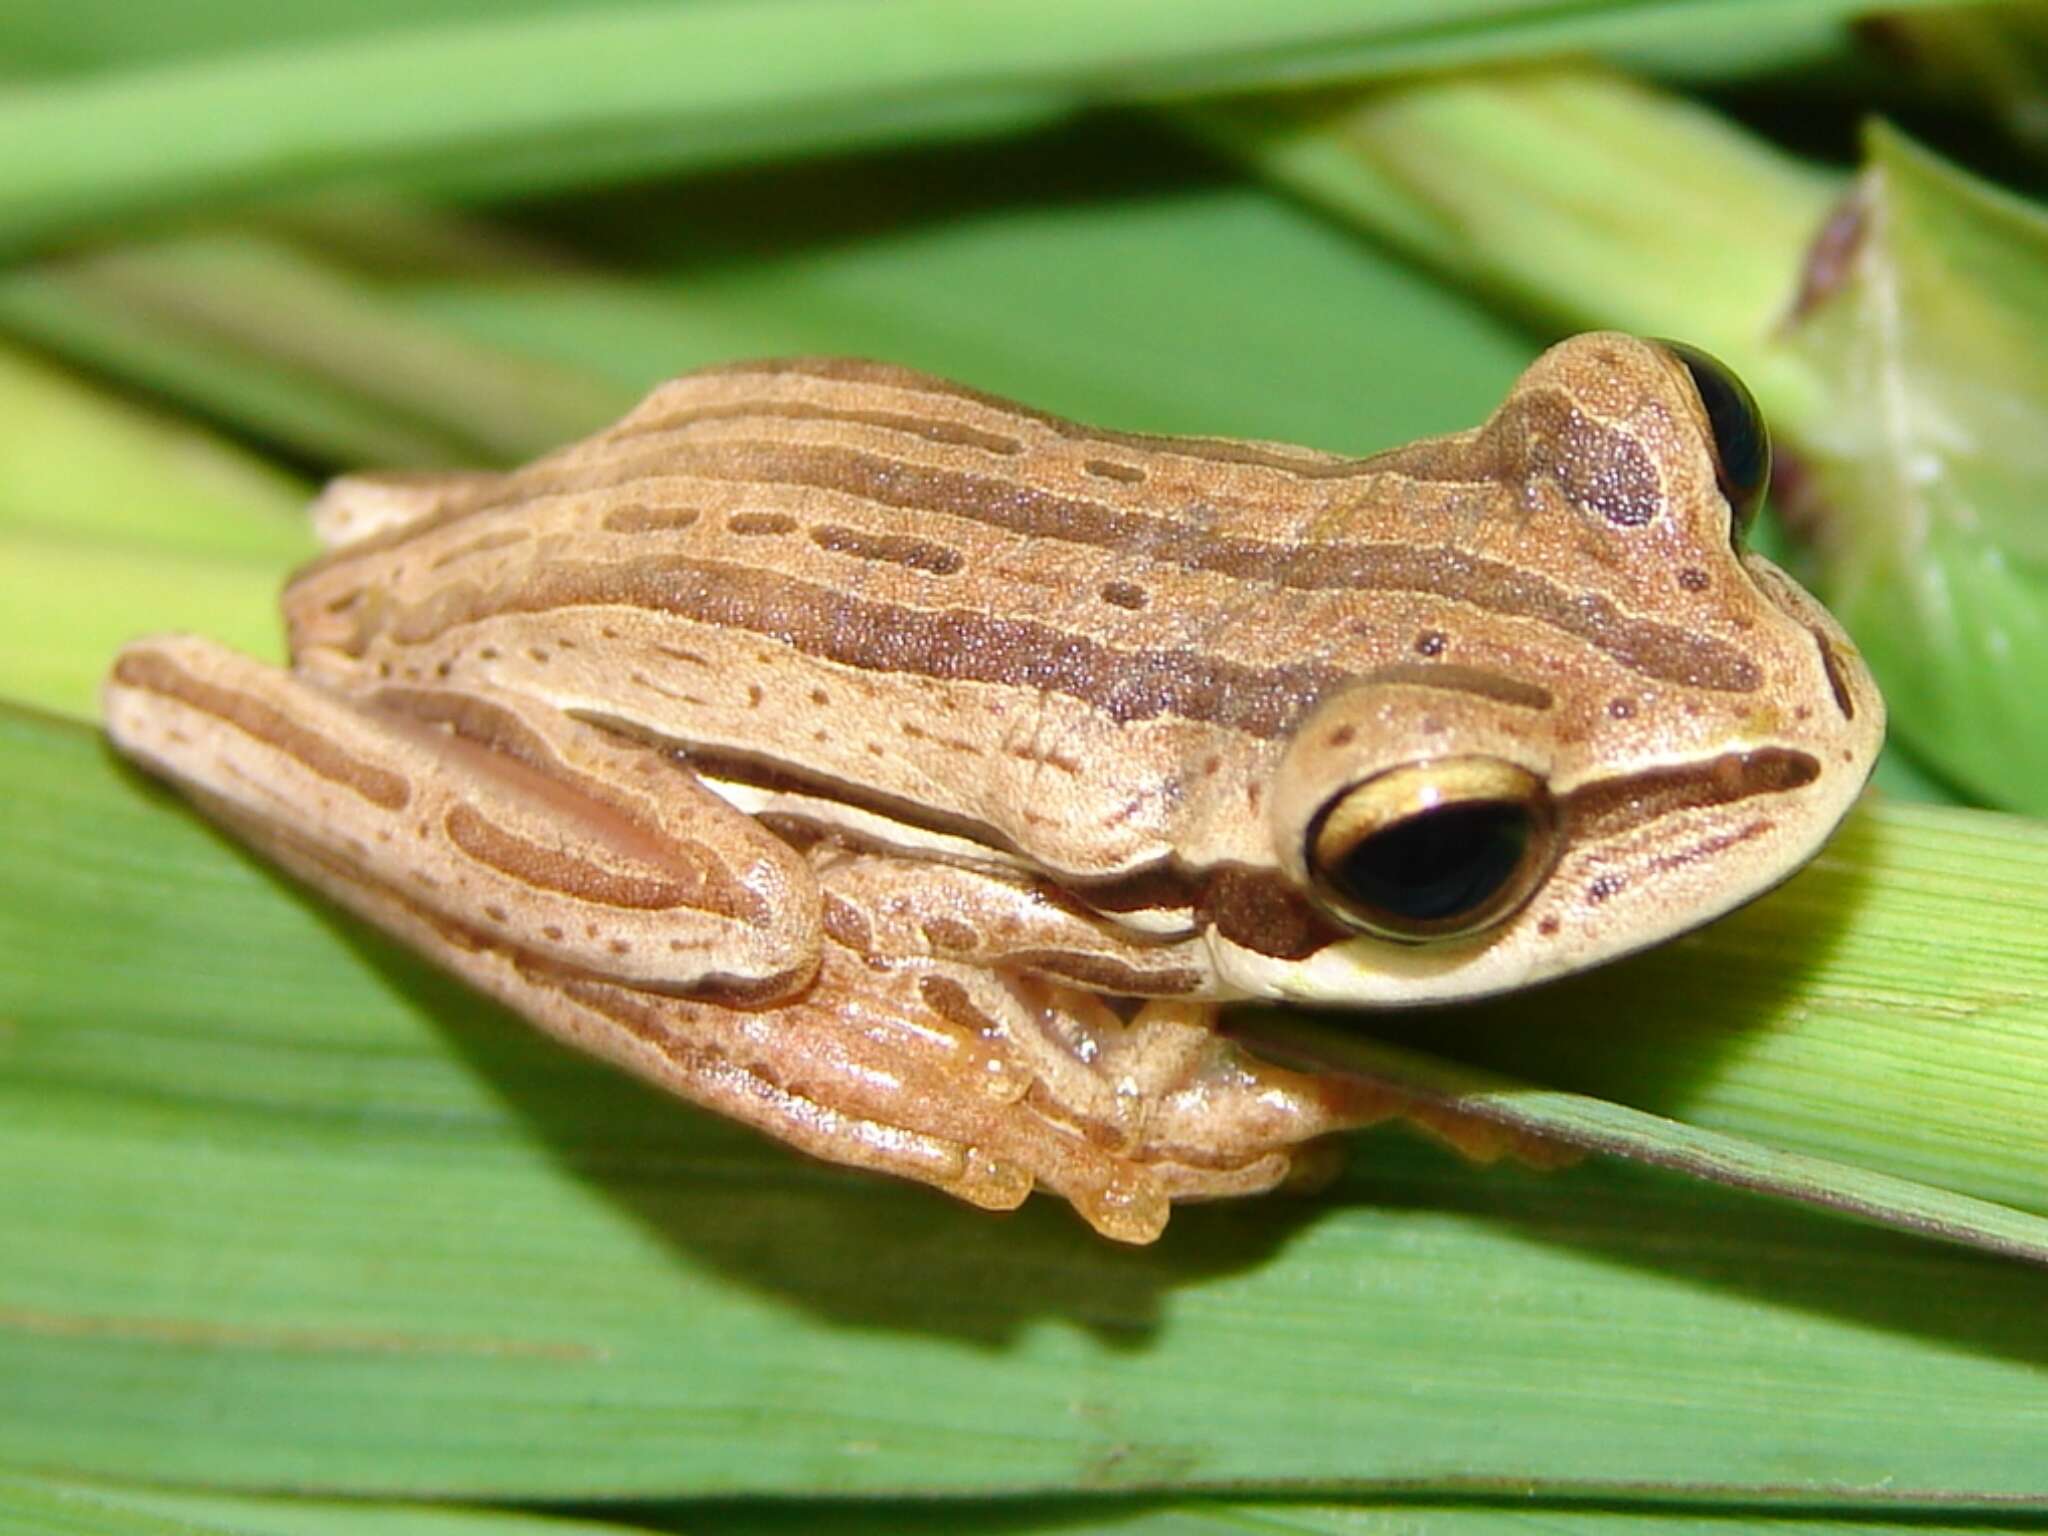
[(931, 1072), (510, 821), (734, 1061), (355, 508), (981, 1085)]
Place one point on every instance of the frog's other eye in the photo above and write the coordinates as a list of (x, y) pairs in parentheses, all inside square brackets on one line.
[(1433, 850), (1742, 444)]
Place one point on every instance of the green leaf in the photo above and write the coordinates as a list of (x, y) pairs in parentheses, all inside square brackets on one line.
[(1595, 1125), (1182, 305), (1684, 35), (251, 1156), (1927, 479), (66, 1509), (103, 1510), (1985, 57), (1505, 1516), (258, 330), (112, 520), (83, 466), (511, 108), (1580, 196), (1884, 1009), (42, 1507)]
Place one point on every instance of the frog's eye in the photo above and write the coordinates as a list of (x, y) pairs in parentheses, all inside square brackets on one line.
[(1742, 444), (1433, 850)]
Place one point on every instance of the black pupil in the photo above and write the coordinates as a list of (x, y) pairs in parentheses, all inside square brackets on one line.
[(1742, 446), (1439, 865)]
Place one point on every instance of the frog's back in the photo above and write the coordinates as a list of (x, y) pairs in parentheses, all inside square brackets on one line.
[(858, 574), (1083, 649)]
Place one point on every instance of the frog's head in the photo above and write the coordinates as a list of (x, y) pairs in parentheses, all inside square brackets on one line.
[(1595, 721)]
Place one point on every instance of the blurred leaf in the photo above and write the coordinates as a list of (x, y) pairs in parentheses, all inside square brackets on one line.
[(1579, 196), (112, 519), (1899, 773), (250, 1156), (83, 466), (1686, 38), (252, 328), (511, 109), (1122, 296), (1729, 47), (94, 34), (399, 335), (1989, 58), (1924, 487), (34, 1509)]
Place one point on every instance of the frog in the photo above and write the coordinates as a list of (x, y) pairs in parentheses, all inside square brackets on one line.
[(915, 776)]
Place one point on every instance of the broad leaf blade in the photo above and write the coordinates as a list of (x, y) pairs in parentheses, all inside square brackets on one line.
[(32, 1506), (1884, 1009), (104, 1510), (247, 1153)]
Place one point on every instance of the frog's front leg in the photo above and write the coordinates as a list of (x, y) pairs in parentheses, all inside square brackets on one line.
[(498, 815), (909, 908), (898, 910)]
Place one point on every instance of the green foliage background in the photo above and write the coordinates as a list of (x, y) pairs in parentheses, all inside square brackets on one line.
[(286, 1219)]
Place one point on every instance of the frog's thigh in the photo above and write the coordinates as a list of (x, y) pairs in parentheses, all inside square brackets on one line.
[(912, 909), (520, 825)]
